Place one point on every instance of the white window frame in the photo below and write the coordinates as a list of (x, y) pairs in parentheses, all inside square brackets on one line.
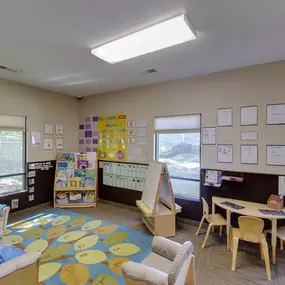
[(16, 123), (178, 131)]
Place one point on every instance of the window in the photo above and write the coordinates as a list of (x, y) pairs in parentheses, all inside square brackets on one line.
[(12, 154), (177, 143)]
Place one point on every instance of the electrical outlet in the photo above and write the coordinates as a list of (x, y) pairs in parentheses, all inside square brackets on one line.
[(15, 204)]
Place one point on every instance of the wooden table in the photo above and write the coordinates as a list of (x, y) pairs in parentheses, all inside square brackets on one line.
[(251, 209)]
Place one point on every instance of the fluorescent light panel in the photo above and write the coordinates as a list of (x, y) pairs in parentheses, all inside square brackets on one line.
[(160, 36)]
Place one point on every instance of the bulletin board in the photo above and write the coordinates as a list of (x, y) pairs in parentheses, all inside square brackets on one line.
[(124, 175), (40, 179), (112, 137)]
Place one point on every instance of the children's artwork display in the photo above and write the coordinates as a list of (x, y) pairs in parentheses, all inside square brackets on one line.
[(112, 141), (75, 180), (125, 175), (88, 134), (213, 178)]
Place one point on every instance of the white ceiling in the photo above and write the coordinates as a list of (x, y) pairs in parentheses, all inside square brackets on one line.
[(50, 40)]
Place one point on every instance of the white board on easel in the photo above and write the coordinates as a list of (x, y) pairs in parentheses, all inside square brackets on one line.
[(157, 203), (154, 172), (158, 187)]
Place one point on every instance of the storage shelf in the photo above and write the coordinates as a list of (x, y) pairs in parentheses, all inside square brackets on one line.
[(75, 205)]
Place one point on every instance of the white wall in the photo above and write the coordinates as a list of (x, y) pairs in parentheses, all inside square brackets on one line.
[(258, 85), (41, 106)]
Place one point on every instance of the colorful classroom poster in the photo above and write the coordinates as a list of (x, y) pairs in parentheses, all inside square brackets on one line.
[(112, 133), (88, 134)]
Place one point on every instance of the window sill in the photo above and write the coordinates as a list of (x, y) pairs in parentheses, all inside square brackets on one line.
[(187, 198), (13, 193)]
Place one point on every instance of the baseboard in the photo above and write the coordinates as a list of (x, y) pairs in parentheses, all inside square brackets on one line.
[(136, 209), (31, 209), (132, 208)]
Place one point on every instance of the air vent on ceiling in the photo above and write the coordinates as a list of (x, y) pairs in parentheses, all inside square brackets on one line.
[(15, 70), (149, 71)]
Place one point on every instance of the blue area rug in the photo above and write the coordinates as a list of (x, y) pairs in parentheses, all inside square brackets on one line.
[(78, 249)]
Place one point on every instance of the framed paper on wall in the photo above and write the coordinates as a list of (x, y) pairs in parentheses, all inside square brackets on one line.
[(225, 117), (249, 116), (59, 143), (131, 132), (209, 136), (59, 129), (249, 136), (48, 129), (275, 114), (249, 154), (275, 155), (225, 153), (48, 144)]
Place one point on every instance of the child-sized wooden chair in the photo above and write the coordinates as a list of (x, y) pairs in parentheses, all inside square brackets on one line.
[(250, 229), (280, 235), (213, 220)]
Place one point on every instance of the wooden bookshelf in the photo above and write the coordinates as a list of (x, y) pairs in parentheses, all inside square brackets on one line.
[(75, 180), (75, 205), (80, 189)]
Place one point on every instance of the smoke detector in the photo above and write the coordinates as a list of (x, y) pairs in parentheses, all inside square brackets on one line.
[(14, 70), (150, 71)]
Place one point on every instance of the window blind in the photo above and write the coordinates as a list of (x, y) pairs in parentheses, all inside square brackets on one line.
[(178, 123), (12, 122)]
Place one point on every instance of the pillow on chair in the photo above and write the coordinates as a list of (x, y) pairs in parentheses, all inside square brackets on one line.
[(179, 260), (165, 247), (9, 252)]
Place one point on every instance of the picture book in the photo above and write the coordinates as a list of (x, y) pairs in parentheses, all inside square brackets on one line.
[(91, 157), (89, 197), (82, 182), (69, 156), (60, 182), (62, 198), (89, 182), (75, 197), (62, 165), (80, 173), (68, 173), (73, 182), (81, 156), (90, 173), (82, 164)]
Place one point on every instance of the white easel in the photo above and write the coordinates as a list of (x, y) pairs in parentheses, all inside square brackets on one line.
[(157, 204)]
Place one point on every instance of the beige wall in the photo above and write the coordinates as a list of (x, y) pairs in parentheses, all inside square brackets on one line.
[(258, 85), (40, 107)]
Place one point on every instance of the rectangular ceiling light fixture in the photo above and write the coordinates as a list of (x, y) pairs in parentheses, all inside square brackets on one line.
[(168, 33)]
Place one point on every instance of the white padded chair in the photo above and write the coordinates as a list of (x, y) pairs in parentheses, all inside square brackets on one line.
[(22, 270), (169, 263), (4, 213)]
